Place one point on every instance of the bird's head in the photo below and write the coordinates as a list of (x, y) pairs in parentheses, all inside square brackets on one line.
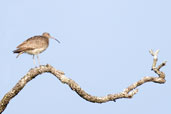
[(45, 34)]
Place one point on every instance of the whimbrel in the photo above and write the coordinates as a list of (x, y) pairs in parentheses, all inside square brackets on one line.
[(35, 45)]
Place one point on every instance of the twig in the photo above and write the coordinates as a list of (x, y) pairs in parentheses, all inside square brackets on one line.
[(129, 92)]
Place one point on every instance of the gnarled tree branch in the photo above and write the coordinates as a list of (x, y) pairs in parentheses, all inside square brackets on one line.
[(129, 92)]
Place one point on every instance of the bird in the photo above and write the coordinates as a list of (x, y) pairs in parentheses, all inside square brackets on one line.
[(35, 45)]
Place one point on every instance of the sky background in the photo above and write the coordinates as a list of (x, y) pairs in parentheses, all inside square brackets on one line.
[(104, 48)]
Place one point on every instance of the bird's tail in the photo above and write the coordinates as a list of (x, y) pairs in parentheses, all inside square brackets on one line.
[(19, 52)]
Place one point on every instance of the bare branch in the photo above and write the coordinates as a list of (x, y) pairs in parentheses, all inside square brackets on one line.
[(129, 92)]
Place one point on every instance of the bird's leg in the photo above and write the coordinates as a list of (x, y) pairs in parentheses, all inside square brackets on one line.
[(20, 54), (38, 59), (34, 61)]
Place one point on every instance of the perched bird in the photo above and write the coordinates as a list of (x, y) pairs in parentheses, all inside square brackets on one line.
[(35, 45)]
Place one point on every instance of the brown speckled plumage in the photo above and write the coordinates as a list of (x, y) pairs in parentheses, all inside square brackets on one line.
[(34, 45)]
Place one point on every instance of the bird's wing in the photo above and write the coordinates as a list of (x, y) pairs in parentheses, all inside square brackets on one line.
[(22, 50), (31, 43)]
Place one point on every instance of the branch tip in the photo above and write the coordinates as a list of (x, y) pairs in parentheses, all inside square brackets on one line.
[(154, 53)]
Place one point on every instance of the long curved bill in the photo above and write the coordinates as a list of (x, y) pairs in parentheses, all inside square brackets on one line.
[(56, 39)]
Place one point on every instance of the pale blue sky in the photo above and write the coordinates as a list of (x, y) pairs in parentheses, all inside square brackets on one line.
[(104, 48)]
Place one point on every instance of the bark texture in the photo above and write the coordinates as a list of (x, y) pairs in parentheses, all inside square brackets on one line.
[(129, 92)]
